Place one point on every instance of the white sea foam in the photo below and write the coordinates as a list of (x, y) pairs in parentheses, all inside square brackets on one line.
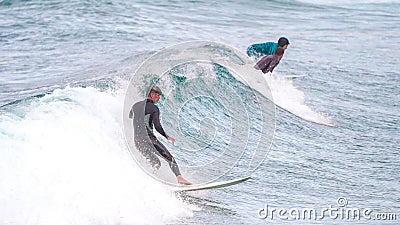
[(288, 97), (64, 161), (282, 92)]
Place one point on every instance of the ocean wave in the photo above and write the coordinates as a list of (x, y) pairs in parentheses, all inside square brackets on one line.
[(64, 161)]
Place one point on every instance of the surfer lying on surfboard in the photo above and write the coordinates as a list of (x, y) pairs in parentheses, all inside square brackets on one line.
[(269, 62), (146, 114)]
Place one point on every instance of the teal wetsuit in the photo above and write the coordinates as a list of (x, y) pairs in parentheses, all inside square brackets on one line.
[(258, 50)]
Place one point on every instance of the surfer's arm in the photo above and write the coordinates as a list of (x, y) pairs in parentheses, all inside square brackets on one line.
[(266, 48), (159, 128), (157, 123)]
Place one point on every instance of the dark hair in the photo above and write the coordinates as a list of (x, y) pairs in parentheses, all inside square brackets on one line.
[(279, 51), (283, 41)]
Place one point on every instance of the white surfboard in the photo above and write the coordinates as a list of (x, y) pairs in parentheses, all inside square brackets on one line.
[(293, 76), (220, 184)]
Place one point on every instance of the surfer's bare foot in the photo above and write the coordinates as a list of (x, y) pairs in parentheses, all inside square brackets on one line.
[(182, 180)]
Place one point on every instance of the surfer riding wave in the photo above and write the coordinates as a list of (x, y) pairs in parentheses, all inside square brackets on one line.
[(145, 115)]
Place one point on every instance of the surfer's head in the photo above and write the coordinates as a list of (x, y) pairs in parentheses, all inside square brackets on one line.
[(153, 93), (283, 42)]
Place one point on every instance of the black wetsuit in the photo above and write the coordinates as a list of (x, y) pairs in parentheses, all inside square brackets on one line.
[(145, 114)]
